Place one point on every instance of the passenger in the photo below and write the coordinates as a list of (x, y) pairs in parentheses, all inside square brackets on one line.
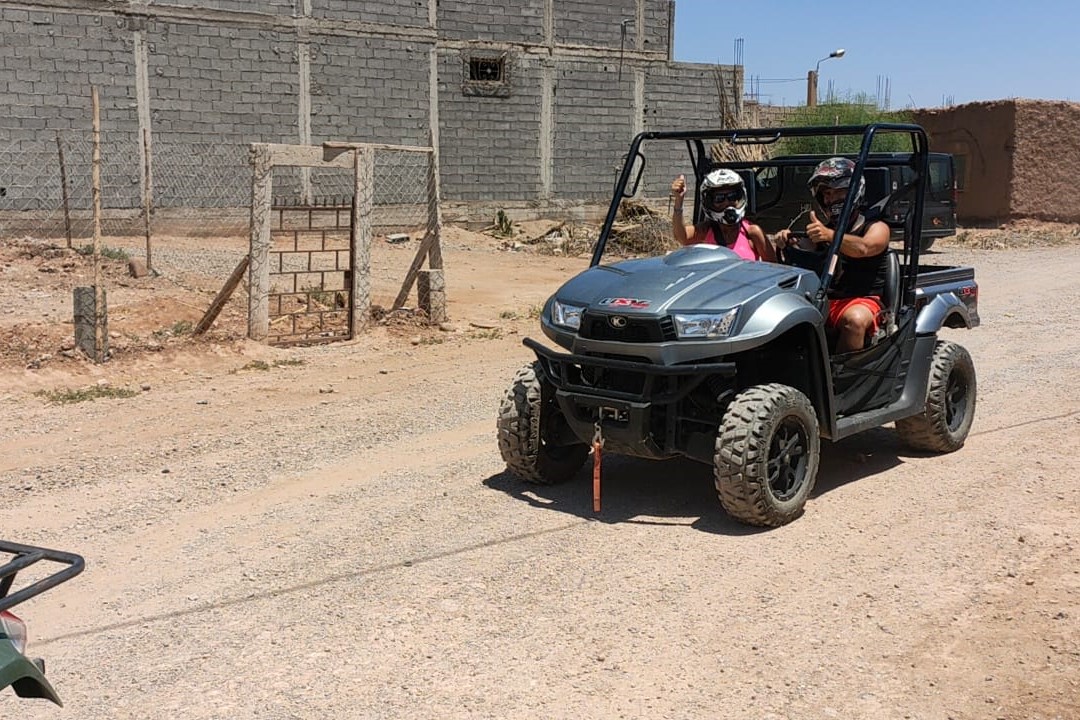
[(859, 282), (723, 197)]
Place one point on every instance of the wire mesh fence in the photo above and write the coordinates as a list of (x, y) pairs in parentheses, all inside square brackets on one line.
[(197, 189)]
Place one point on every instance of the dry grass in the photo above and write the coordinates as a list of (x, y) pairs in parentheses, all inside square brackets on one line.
[(1019, 234)]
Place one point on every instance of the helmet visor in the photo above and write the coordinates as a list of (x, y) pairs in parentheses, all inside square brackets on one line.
[(720, 197)]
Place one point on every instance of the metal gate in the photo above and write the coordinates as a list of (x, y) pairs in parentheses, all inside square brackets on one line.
[(310, 267)]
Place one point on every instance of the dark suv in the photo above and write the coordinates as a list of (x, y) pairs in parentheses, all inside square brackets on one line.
[(781, 193)]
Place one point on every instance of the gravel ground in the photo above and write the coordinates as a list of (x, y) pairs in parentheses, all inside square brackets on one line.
[(338, 538)]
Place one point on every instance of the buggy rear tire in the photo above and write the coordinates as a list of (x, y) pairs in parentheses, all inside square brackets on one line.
[(767, 452), (528, 416), (951, 392)]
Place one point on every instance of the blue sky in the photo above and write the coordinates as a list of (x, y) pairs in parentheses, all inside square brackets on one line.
[(949, 50)]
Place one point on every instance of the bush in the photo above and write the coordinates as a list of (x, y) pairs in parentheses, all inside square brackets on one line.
[(856, 110)]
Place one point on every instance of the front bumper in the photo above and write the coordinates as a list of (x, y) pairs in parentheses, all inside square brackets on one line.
[(631, 399)]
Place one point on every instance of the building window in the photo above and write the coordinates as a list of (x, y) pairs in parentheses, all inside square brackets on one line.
[(486, 73), (486, 69)]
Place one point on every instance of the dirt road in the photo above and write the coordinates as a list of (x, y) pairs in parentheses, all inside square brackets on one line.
[(338, 539)]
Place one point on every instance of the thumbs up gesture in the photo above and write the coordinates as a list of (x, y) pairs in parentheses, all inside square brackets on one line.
[(678, 188), (817, 231)]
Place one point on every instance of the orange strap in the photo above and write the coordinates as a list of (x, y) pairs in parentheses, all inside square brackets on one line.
[(596, 446)]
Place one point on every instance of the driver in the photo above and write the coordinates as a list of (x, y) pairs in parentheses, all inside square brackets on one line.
[(723, 197), (855, 294)]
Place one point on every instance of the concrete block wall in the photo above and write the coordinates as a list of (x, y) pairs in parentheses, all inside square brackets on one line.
[(410, 13), (489, 145), (581, 22), (370, 90), (267, 7), (677, 97), (240, 71), (594, 122), (225, 84), (482, 20), (50, 61)]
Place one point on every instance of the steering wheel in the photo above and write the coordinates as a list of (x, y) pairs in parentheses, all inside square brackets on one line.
[(801, 255)]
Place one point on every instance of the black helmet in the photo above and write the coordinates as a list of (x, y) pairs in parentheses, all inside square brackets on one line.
[(834, 173)]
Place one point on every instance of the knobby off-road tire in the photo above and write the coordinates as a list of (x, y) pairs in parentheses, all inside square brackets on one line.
[(944, 423), (767, 452), (524, 415)]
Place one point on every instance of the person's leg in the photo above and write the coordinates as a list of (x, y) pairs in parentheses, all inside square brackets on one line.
[(855, 323)]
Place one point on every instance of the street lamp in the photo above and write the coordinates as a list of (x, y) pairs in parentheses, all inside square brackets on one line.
[(812, 76)]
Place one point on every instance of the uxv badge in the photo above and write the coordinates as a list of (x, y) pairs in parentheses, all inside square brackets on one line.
[(626, 303), (617, 321)]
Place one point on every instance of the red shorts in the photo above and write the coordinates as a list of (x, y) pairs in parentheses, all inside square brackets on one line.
[(839, 305)]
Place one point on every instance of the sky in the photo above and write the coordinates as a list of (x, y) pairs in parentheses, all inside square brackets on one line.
[(930, 53)]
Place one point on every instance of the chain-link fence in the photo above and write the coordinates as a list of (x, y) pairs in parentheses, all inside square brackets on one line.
[(196, 188)]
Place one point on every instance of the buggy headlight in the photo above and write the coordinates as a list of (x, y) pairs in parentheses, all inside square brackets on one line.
[(569, 316), (705, 325)]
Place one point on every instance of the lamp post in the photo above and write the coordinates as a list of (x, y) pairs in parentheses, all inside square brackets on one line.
[(812, 76)]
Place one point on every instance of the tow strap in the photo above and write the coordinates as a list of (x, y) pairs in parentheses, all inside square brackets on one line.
[(597, 446)]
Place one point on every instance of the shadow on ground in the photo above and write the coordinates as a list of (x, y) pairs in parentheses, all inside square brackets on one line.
[(672, 492)]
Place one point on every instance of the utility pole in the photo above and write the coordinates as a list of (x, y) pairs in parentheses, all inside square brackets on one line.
[(812, 77)]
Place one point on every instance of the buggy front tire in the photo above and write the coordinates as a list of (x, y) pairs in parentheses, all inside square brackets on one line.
[(951, 391), (529, 417), (767, 452)]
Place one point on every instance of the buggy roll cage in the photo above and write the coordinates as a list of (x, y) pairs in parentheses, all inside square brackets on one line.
[(24, 557), (695, 141)]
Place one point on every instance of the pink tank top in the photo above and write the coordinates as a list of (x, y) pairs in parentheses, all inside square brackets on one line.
[(742, 247)]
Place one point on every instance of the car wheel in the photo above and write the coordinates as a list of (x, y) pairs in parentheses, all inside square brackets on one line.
[(529, 422), (767, 452), (946, 419)]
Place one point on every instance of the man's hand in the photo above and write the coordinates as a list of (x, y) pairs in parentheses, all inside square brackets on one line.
[(816, 230)]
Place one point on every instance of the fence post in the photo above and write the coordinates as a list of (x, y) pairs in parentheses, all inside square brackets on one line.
[(435, 261), (148, 197), (101, 336), (259, 253), (64, 188), (361, 232)]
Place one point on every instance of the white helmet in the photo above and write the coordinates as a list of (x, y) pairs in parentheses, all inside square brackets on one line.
[(723, 196)]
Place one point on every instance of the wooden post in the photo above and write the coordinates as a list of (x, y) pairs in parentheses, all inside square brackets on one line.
[(362, 231), (259, 253), (414, 268), (100, 335), (148, 198), (435, 261), (222, 297), (64, 188)]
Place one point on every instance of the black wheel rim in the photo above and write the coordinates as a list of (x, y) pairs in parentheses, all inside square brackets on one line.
[(956, 392), (553, 425), (788, 455)]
